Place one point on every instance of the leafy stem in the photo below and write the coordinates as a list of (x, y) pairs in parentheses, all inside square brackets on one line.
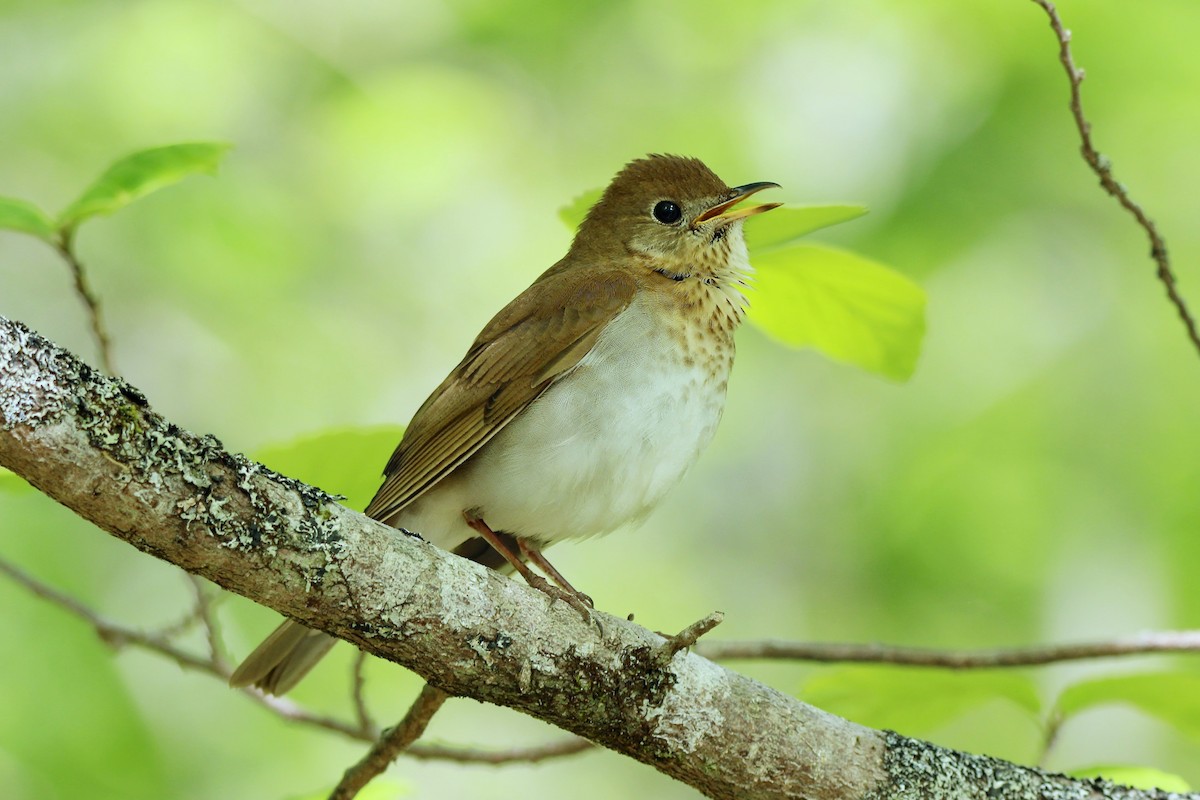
[(125, 180)]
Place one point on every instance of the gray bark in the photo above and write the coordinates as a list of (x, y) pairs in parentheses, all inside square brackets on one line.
[(93, 444)]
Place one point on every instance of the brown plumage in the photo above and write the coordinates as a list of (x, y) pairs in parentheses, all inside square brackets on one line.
[(512, 361), (584, 400)]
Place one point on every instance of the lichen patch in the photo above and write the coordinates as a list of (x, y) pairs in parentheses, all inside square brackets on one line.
[(690, 712), (30, 389)]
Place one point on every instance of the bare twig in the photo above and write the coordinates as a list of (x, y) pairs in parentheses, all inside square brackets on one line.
[(530, 755), (288, 710), (118, 636), (183, 625), (1103, 169), (392, 743), (65, 245), (356, 693), (111, 633), (1140, 644), (204, 613)]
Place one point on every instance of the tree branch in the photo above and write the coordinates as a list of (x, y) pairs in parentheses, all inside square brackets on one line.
[(93, 444)]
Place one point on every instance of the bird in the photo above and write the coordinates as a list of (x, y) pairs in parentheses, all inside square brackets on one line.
[(582, 402)]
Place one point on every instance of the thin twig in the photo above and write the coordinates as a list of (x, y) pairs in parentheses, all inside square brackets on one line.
[(65, 247), (208, 620), (118, 636), (1140, 644), (1103, 169), (293, 713), (529, 755), (356, 692), (111, 633), (392, 743), (183, 625)]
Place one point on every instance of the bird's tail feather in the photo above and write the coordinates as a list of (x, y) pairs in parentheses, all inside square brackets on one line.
[(283, 658)]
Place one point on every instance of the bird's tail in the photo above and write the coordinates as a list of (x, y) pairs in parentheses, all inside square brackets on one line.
[(283, 658)]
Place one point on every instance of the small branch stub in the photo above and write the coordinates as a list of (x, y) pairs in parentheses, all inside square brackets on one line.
[(689, 635)]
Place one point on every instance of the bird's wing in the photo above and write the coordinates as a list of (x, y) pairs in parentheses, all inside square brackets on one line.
[(517, 356)]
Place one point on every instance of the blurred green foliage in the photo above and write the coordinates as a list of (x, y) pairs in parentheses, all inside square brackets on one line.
[(916, 701), (345, 462), (395, 179), (1171, 696)]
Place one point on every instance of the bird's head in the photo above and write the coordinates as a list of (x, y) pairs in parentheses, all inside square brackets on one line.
[(674, 215)]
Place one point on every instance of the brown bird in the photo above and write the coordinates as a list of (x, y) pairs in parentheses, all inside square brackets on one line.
[(582, 402)]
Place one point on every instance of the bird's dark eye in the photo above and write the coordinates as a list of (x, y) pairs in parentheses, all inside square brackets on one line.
[(667, 212)]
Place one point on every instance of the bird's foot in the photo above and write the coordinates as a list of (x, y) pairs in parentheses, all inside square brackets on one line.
[(563, 591), (575, 599)]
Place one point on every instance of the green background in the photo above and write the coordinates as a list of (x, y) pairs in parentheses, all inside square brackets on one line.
[(395, 179)]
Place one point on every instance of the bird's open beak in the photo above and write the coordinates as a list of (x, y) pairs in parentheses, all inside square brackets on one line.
[(722, 210)]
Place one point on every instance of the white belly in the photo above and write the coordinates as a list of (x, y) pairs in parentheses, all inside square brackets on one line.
[(598, 450)]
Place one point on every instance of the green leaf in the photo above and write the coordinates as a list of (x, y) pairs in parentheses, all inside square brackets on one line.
[(12, 482), (347, 462), (1137, 777), (848, 307), (1173, 697), (914, 700), (573, 213), (141, 173), (19, 215), (785, 225)]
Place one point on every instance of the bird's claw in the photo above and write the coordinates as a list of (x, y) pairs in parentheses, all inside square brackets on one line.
[(576, 600)]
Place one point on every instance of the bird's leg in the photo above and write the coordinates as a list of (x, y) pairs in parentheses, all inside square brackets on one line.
[(535, 555), (479, 526), (568, 594)]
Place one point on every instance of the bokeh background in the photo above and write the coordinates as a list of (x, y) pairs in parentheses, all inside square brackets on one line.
[(396, 173)]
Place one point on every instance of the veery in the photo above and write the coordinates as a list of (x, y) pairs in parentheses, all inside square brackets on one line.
[(582, 402)]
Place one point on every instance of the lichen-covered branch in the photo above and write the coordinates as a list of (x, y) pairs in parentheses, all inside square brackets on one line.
[(94, 444)]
